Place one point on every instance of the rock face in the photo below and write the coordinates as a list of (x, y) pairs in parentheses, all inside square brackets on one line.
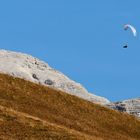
[(131, 106), (32, 69)]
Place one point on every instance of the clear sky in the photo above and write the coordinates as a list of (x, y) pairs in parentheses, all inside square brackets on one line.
[(81, 38)]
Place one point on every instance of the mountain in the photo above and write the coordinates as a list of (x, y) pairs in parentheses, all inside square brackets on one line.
[(29, 111), (131, 106), (32, 69)]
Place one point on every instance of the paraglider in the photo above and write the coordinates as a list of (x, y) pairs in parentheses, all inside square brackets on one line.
[(133, 30)]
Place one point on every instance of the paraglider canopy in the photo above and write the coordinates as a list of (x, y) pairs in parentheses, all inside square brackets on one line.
[(128, 26)]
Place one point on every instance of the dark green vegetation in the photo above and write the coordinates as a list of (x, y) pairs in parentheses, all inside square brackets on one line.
[(31, 111)]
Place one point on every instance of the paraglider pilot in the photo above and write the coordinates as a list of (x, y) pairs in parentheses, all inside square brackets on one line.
[(125, 46)]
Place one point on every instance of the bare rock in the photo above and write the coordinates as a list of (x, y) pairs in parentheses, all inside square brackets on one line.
[(131, 106), (32, 69)]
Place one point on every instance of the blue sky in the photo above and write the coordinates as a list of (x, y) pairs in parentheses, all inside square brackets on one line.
[(81, 38)]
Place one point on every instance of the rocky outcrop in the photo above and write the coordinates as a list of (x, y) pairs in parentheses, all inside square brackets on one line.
[(32, 69), (131, 106)]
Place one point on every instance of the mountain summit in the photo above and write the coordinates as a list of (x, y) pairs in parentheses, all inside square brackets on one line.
[(32, 69)]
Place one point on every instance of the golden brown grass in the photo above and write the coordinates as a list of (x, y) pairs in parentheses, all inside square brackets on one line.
[(18, 125), (32, 111)]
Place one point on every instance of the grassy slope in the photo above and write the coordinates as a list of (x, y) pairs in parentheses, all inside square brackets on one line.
[(18, 125), (31, 111)]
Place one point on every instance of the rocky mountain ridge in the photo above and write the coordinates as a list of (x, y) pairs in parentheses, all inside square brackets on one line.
[(32, 69), (131, 106)]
